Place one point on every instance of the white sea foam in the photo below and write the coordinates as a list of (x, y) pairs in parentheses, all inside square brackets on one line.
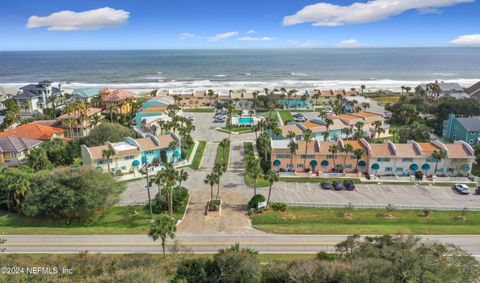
[(394, 85)]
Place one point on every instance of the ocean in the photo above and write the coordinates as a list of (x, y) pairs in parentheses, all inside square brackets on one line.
[(377, 68)]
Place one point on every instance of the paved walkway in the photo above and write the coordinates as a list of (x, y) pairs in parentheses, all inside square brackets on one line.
[(208, 160), (236, 156)]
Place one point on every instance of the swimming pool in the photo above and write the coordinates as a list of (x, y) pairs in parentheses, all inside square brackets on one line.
[(245, 121)]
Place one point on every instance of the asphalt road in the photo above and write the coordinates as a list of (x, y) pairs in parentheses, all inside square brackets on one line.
[(198, 244)]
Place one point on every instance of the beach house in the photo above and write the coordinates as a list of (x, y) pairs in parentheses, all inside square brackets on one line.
[(119, 101), (130, 155), (450, 89), (34, 98), (14, 151), (35, 131), (466, 129), (86, 94)]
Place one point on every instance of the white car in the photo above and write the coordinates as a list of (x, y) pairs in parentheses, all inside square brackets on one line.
[(191, 118), (301, 119), (462, 189)]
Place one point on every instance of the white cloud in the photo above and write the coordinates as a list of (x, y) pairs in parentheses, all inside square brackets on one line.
[(349, 43), (467, 40), (187, 35), (70, 20), (306, 44), (326, 14), (221, 36), (251, 31), (248, 38)]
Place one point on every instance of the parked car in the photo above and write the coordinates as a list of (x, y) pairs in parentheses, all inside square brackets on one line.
[(300, 119), (338, 186), (297, 115), (326, 185), (349, 185), (191, 118), (220, 119), (461, 189)]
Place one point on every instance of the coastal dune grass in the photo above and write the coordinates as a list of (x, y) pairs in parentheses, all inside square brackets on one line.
[(340, 221)]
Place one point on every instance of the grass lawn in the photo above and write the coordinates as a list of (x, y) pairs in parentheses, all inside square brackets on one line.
[(261, 182), (476, 170), (286, 116), (240, 130), (366, 221), (223, 155), (119, 220), (198, 155), (200, 110)]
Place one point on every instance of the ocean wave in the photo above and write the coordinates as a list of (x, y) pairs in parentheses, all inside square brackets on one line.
[(299, 74)]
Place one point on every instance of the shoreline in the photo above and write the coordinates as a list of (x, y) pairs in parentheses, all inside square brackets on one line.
[(371, 85)]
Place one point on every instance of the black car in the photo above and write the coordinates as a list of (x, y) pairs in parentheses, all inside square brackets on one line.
[(297, 115), (477, 191), (349, 185), (338, 186), (326, 185)]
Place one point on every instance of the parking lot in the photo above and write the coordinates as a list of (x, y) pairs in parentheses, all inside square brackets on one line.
[(381, 195), (205, 129)]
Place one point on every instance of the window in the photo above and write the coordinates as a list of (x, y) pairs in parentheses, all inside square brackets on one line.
[(407, 160), (149, 152), (124, 168), (450, 170), (284, 156), (299, 165), (348, 166), (388, 169), (383, 159), (399, 169), (129, 157), (308, 156), (470, 142), (330, 156), (430, 160)]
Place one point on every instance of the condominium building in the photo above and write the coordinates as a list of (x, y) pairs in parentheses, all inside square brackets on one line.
[(377, 159)]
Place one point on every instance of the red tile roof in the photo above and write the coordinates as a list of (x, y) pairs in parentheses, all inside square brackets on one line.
[(118, 95), (34, 131)]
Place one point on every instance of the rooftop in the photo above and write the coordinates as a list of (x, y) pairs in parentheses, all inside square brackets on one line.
[(471, 124), (33, 131), (17, 145)]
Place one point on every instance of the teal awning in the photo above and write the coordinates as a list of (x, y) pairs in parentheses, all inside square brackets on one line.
[(144, 159), (425, 167), (466, 167), (177, 153), (414, 167), (324, 163), (362, 163), (277, 163), (313, 163), (136, 163), (375, 166)]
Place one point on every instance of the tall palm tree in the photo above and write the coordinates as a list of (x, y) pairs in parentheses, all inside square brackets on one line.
[(438, 155), (254, 170), (211, 180), (376, 125), (363, 87), (307, 137), (158, 179), (172, 146), (291, 135), (218, 170), (162, 228), (182, 175), (393, 132), (293, 147), (347, 149), (358, 153), (169, 179), (328, 123), (326, 135), (272, 177), (210, 94), (107, 154), (333, 149), (359, 131)]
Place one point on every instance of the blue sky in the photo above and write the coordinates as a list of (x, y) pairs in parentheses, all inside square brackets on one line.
[(140, 24)]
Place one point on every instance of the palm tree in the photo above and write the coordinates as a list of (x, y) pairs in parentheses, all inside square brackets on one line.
[(393, 132), (359, 131), (362, 87), (162, 228), (365, 105), (347, 149), (170, 177), (377, 125), (347, 131), (107, 154), (438, 155), (307, 137), (210, 94), (325, 136), (408, 89), (403, 88), (333, 149), (254, 170), (211, 179), (293, 147), (172, 146), (26, 105), (358, 153), (182, 175), (158, 179), (219, 170), (272, 177)]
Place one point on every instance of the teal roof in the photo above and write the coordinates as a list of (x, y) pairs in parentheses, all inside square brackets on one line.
[(87, 92)]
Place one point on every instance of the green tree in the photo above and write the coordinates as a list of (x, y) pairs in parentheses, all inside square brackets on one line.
[(333, 149), (14, 185), (272, 177), (254, 170), (38, 159), (358, 153), (107, 132), (106, 155), (211, 180), (347, 149), (81, 194), (307, 137), (162, 228), (292, 147), (438, 155)]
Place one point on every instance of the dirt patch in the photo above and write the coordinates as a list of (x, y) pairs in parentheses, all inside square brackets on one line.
[(233, 221)]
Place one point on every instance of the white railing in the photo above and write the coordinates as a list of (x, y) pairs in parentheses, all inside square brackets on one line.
[(375, 206)]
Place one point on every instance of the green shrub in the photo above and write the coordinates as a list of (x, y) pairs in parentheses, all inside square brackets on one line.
[(278, 206), (256, 199), (325, 256), (214, 205), (180, 198)]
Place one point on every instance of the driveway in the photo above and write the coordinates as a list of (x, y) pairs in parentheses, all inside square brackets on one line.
[(205, 129), (236, 156), (409, 195), (208, 160)]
